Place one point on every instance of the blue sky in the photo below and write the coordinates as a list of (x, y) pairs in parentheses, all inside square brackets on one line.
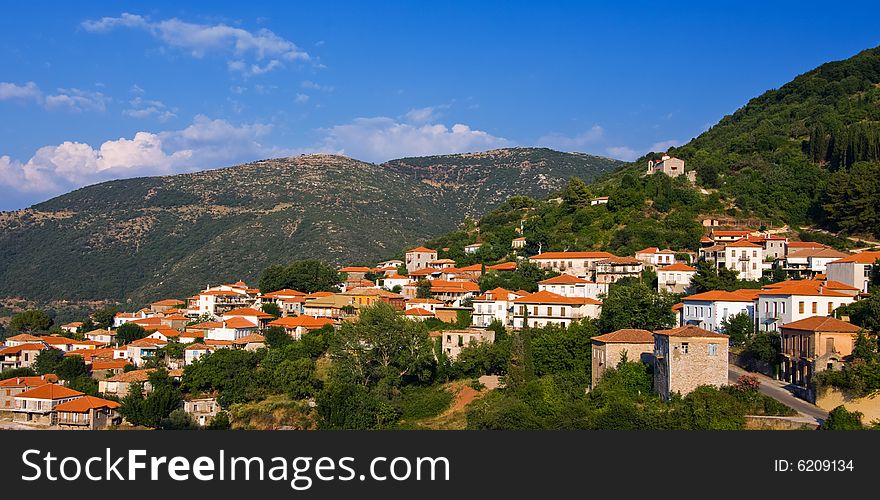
[(95, 91)]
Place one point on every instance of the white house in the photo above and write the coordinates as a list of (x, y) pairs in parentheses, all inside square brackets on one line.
[(789, 301), (582, 264), (810, 262), (655, 257), (544, 308), (675, 278), (392, 280), (708, 310), (194, 352), (231, 329), (473, 248), (745, 257), (495, 304), (854, 270), (568, 285), (429, 305), (601, 200)]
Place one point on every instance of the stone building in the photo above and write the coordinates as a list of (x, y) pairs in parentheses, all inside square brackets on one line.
[(814, 344), (688, 357), (609, 349)]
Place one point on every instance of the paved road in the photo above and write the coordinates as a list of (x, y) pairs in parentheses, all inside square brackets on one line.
[(776, 390)]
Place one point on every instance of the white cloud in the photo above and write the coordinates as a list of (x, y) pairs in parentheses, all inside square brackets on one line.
[(145, 108), (202, 39), (28, 91), (381, 138), (69, 165), (301, 99), (624, 153), (594, 135), (308, 84), (424, 115), (662, 146), (77, 100)]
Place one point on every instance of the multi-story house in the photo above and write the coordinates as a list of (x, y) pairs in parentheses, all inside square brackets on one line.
[(709, 310), (814, 344), (581, 264), (790, 301), (654, 257), (418, 258), (745, 257), (612, 269), (688, 357), (297, 326), (569, 285), (854, 270), (11, 387), (609, 349), (21, 355), (546, 308), (452, 341), (37, 405), (675, 278), (87, 412), (493, 305), (669, 165), (453, 293), (808, 263)]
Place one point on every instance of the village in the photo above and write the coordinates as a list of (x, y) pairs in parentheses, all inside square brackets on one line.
[(423, 286)]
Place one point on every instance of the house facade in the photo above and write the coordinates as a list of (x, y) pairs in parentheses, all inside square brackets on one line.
[(609, 349), (581, 264), (675, 278), (814, 344), (854, 270), (419, 258), (547, 308), (688, 357)]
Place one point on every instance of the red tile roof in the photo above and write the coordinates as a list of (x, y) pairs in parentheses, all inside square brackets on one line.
[(247, 311), (861, 258), (724, 296), (822, 324), (50, 391), (572, 255), (678, 266), (22, 347), (25, 337), (304, 321), (86, 403), (421, 250), (418, 311), (29, 381), (743, 243), (546, 297), (564, 279), (626, 336), (504, 266), (109, 364), (238, 322)]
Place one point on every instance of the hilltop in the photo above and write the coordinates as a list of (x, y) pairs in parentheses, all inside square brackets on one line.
[(145, 238)]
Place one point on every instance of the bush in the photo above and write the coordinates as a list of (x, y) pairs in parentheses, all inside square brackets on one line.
[(841, 419), (422, 402)]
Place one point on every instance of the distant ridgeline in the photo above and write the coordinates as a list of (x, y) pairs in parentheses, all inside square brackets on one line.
[(147, 238)]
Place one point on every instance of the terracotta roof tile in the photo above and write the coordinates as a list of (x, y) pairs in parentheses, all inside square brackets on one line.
[(626, 336)]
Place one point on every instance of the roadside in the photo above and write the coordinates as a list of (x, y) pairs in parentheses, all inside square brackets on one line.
[(777, 390)]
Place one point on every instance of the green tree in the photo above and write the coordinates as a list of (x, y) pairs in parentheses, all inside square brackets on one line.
[(178, 420), (739, 327), (841, 419), (71, 367), (709, 278), (423, 289), (47, 361), (17, 372), (304, 275), (219, 422), (31, 321), (129, 332), (277, 337), (631, 304), (271, 308), (103, 318)]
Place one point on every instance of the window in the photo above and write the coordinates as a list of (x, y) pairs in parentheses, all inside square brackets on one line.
[(536, 311), (830, 308), (549, 311), (815, 307), (754, 253), (713, 349), (801, 307), (684, 347), (460, 340)]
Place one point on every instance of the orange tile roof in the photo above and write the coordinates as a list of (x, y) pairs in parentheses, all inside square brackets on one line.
[(286, 292), (546, 297), (168, 302), (421, 250), (247, 311), (86, 403), (424, 301), (29, 381), (317, 295), (743, 243), (238, 322), (472, 268), (724, 296), (74, 324), (622, 261), (690, 331), (58, 340), (198, 347), (731, 233), (678, 266), (806, 244), (504, 266), (626, 336), (355, 269), (247, 339), (860, 258), (109, 364), (25, 337), (817, 252), (800, 287), (50, 391), (454, 286), (495, 294), (207, 325), (572, 255), (304, 321), (564, 279), (22, 347), (417, 311), (822, 324)]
